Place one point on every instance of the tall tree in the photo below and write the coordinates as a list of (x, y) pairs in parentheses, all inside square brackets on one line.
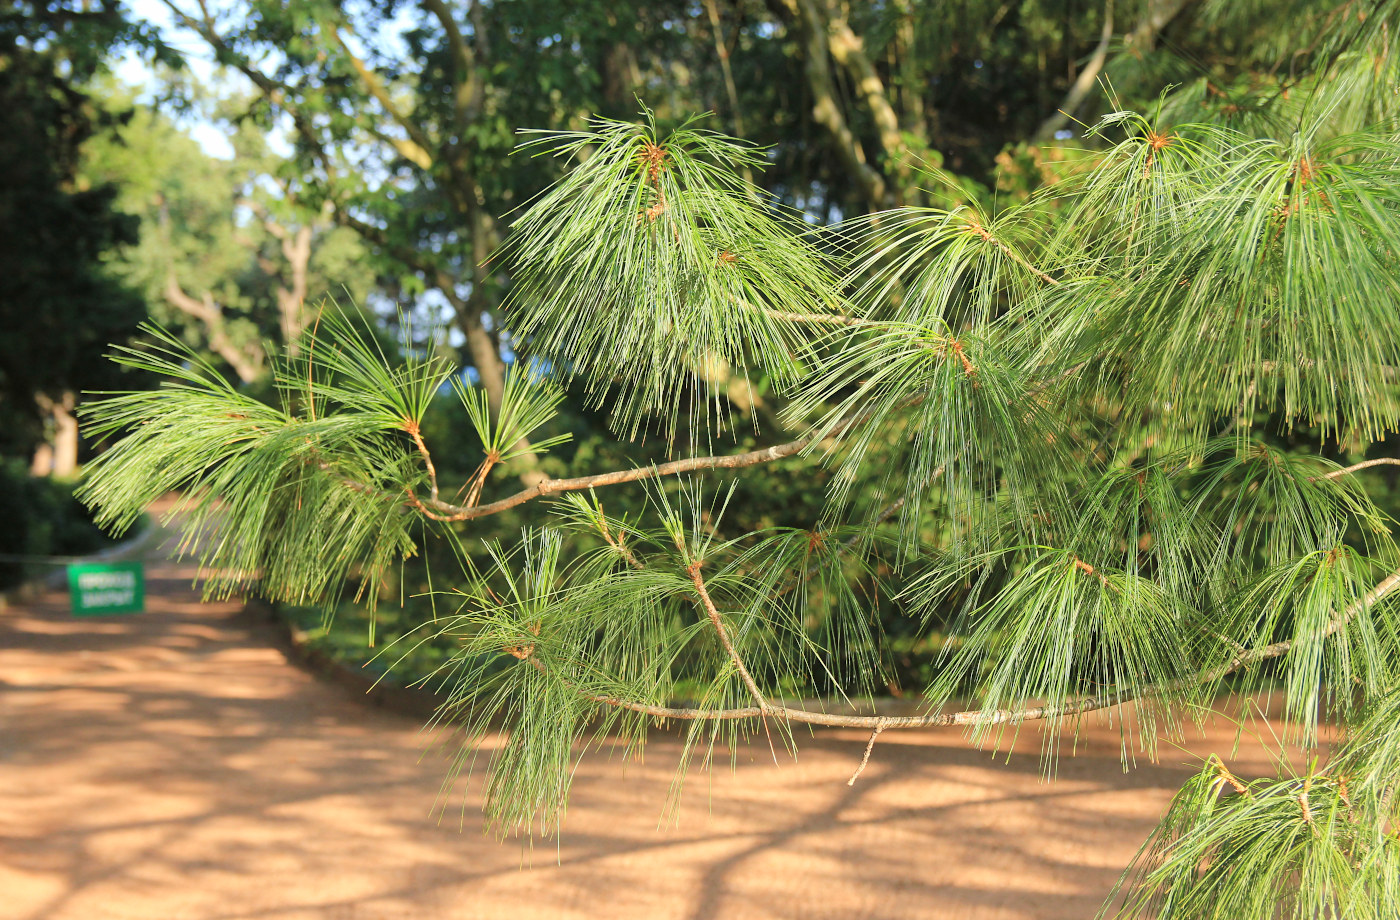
[(59, 304), (225, 251)]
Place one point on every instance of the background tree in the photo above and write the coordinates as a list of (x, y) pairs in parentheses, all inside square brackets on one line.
[(224, 250), (60, 302), (61, 306)]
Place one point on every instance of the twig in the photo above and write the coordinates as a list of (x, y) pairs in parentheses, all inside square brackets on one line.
[(1064, 113), (833, 318), (1363, 465), (881, 517), (869, 746), (411, 426), (693, 570), (617, 544), (974, 226), (479, 479), (1227, 777), (447, 512)]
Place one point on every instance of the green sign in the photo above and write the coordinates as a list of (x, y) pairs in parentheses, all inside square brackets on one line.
[(97, 589)]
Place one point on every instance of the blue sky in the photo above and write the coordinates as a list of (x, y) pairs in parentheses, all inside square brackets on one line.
[(132, 71)]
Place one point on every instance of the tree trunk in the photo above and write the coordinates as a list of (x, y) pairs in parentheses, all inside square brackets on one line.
[(58, 456), (1082, 84), (291, 301), (848, 50), (247, 362), (813, 26)]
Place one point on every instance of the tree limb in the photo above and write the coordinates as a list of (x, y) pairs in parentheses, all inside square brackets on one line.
[(1363, 465), (1082, 84), (247, 362), (443, 511), (466, 97), (693, 570), (848, 50), (1159, 14), (978, 717), (415, 147), (827, 110)]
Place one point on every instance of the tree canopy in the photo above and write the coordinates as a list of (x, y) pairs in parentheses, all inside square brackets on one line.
[(59, 304)]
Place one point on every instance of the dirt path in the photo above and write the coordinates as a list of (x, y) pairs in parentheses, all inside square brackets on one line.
[(175, 765)]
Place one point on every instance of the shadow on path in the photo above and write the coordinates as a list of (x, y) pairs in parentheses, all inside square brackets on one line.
[(176, 765)]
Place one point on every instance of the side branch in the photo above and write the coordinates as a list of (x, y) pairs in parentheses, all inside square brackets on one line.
[(830, 318), (1363, 465), (446, 512), (411, 427), (693, 570), (974, 717)]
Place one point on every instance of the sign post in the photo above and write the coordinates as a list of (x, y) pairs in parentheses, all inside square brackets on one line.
[(97, 588)]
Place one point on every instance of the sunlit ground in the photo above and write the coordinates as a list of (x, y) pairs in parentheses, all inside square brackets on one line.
[(176, 765)]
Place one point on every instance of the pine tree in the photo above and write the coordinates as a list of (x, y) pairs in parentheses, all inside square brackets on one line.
[(1087, 390)]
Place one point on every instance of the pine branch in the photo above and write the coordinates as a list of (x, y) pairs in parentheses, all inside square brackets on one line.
[(981, 717), (447, 512), (1363, 465), (693, 570)]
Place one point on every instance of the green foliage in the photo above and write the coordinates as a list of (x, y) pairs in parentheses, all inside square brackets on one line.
[(1106, 416), (42, 518), (1219, 311), (1094, 631), (969, 419), (1296, 846), (214, 230), (526, 404), (1297, 601), (545, 644), (931, 265), (680, 263), (294, 497)]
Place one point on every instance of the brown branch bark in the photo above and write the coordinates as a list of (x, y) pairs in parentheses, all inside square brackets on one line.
[(291, 300), (291, 293), (708, 605), (865, 758), (57, 455), (820, 318), (466, 98), (826, 109), (722, 52), (975, 717), (1082, 84), (442, 511), (246, 361), (1363, 465)]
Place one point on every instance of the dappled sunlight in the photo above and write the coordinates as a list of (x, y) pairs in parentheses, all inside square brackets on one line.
[(175, 764)]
